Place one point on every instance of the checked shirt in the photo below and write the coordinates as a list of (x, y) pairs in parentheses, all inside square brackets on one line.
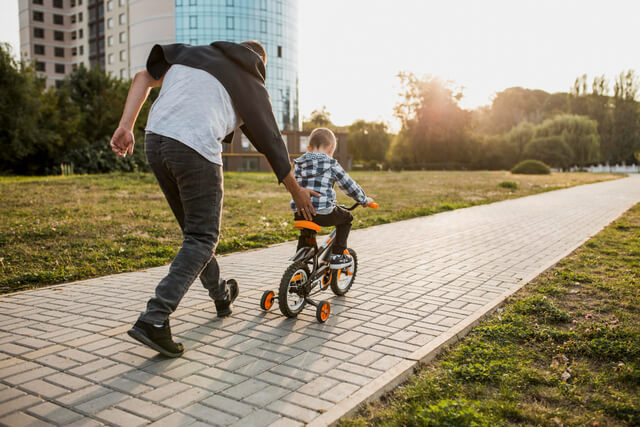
[(319, 172)]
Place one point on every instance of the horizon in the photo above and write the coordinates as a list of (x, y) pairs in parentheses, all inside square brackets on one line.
[(483, 47)]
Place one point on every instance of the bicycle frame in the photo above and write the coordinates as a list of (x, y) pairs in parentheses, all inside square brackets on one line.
[(320, 263)]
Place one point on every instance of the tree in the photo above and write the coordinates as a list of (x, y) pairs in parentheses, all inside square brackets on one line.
[(579, 133), (516, 139), (20, 91), (435, 130), (368, 141), (626, 118), (318, 119), (551, 150)]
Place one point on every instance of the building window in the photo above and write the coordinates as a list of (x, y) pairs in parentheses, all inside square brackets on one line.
[(123, 37), (73, 19), (73, 3), (59, 52), (193, 42), (230, 3), (60, 68), (59, 83), (193, 2), (110, 41), (279, 29), (58, 19), (250, 164), (38, 16), (74, 51), (57, 4), (263, 26), (279, 7), (110, 5), (123, 55), (81, 50), (123, 73), (110, 23), (110, 58), (80, 16), (74, 35), (38, 49), (121, 19), (40, 66), (304, 142), (80, 33), (279, 73), (58, 36), (263, 4), (230, 23), (193, 22), (279, 51), (38, 33), (120, 2), (74, 67), (37, 1)]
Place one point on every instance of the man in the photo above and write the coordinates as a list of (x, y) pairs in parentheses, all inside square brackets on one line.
[(207, 92)]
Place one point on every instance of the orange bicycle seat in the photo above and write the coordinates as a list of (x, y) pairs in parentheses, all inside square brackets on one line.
[(301, 224)]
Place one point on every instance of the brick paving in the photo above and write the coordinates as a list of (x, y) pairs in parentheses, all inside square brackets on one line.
[(65, 358)]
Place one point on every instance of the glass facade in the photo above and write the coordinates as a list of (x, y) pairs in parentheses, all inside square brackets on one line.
[(274, 23)]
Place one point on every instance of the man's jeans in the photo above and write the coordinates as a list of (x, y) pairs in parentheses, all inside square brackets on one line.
[(193, 188)]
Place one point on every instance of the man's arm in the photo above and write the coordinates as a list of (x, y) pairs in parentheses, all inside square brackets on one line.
[(122, 141), (301, 197)]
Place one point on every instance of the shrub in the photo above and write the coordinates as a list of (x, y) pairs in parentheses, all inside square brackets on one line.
[(509, 184), (531, 167)]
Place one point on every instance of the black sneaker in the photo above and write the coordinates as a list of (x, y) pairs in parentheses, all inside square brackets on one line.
[(340, 261), (223, 307), (158, 339)]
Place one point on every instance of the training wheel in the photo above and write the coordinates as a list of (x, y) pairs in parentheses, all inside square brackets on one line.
[(266, 302), (323, 311)]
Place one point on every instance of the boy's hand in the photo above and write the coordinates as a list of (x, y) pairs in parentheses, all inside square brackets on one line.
[(369, 201), (122, 141)]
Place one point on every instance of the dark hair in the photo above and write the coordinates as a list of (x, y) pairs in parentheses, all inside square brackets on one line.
[(256, 47), (321, 137)]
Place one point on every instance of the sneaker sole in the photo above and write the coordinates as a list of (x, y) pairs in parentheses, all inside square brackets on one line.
[(339, 266), (233, 295), (140, 336)]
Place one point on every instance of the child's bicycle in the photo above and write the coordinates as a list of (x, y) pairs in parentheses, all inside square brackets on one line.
[(310, 274)]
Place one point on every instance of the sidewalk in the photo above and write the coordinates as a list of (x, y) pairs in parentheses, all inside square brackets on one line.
[(65, 357)]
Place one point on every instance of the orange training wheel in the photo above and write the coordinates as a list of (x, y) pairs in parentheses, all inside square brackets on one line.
[(266, 302), (323, 311)]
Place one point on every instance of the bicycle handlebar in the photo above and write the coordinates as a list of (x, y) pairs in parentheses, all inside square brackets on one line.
[(373, 205)]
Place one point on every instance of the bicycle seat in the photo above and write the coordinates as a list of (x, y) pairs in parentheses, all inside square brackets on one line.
[(309, 225)]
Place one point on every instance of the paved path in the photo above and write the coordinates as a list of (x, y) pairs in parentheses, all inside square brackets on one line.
[(65, 359)]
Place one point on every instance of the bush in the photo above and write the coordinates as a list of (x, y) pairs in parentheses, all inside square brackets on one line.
[(509, 184), (531, 167)]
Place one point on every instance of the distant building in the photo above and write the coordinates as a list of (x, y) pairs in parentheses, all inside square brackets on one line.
[(117, 35), (240, 155)]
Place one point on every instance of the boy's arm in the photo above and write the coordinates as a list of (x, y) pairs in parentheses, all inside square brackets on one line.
[(122, 141), (349, 186)]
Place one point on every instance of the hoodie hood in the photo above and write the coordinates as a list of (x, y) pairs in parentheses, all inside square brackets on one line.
[(244, 57), (312, 164)]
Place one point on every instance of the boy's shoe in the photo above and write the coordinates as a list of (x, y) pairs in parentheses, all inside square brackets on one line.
[(157, 338), (223, 307), (340, 261)]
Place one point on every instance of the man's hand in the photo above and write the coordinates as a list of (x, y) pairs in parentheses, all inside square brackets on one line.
[(301, 197), (122, 141)]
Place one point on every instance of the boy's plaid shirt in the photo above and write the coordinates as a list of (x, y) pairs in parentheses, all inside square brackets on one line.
[(319, 172)]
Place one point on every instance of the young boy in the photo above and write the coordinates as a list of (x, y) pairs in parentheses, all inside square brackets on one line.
[(317, 170)]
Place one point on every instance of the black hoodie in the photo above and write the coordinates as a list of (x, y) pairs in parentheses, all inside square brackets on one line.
[(242, 73)]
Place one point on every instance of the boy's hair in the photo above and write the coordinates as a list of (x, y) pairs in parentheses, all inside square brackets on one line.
[(322, 137), (257, 47)]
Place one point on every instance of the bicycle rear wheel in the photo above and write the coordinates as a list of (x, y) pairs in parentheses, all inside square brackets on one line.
[(290, 300)]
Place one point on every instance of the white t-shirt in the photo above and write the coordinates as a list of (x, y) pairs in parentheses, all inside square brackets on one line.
[(194, 108)]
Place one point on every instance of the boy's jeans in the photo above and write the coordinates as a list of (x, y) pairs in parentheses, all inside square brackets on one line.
[(193, 187), (339, 217)]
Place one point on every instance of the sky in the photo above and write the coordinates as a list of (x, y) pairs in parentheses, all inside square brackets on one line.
[(352, 50)]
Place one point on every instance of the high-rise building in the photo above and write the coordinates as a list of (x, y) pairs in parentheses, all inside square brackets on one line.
[(117, 35)]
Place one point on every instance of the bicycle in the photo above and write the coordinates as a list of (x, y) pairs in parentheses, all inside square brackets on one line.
[(310, 274)]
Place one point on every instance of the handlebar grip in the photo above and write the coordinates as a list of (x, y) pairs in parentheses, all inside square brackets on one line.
[(373, 205)]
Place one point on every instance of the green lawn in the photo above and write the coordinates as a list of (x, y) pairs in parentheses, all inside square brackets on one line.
[(564, 350), (58, 229)]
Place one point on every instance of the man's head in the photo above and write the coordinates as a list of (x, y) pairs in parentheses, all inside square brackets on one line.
[(256, 47), (322, 140)]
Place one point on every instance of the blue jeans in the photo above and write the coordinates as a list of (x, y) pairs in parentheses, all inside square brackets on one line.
[(193, 186)]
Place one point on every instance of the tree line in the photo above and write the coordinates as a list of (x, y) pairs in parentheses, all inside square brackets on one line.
[(594, 122)]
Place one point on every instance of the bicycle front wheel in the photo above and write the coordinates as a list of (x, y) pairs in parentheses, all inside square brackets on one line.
[(344, 277)]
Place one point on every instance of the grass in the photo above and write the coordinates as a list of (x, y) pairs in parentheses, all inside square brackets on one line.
[(59, 229), (564, 350)]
